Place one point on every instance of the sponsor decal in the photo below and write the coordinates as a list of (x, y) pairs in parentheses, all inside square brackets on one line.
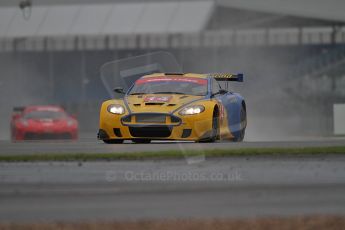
[(199, 81)]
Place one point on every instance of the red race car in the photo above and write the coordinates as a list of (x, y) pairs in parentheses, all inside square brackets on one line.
[(42, 122)]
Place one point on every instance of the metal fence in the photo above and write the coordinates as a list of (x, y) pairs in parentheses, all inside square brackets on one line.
[(249, 37)]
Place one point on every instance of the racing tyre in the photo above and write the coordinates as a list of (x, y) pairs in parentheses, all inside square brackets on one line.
[(113, 141), (242, 132), (215, 129), (141, 141)]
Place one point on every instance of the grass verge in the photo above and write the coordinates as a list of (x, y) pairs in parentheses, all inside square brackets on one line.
[(173, 154), (296, 223)]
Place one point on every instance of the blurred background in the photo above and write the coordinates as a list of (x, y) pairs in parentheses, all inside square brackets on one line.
[(291, 52)]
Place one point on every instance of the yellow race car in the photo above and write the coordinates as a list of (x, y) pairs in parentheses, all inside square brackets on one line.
[(174, 106)]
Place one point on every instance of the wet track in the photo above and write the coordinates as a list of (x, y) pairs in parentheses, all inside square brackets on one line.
[(91, 145), (230, 187)]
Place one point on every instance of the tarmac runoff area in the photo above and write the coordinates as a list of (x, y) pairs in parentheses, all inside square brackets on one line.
[(153, 189), (247, 186)]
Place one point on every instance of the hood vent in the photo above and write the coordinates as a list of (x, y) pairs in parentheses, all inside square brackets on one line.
[(155, 103)]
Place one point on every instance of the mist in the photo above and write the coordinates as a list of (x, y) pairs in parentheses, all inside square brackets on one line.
[(279, 105), (286, 94)]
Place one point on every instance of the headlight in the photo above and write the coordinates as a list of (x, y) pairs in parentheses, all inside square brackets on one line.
[(116, 109), (190, 110), (24, 122), (70, 122)]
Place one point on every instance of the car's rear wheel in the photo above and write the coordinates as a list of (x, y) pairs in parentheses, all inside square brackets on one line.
[(141, 141), (243, 126), (113, 141), (215, 129)]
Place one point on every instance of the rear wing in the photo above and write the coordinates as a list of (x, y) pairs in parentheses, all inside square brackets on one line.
[(227, 76)]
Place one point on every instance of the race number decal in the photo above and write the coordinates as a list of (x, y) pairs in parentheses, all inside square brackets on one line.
[(158, 99)]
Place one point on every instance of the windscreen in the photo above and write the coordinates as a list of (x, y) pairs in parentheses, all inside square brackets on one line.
[(124, 72), (170, 85), (42, 114)]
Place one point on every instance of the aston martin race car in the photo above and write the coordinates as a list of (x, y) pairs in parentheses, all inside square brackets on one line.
[(42, 122), (175, 106)]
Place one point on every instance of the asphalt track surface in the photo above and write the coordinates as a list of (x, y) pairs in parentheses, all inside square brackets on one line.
[(91, 145), (231, 187), (190, 187)]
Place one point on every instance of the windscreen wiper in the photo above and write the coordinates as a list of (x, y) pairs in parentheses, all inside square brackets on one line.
[(137, 93), (168, 93)]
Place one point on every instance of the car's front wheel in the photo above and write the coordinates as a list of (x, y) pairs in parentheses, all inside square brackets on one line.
[(113, 141), (215, 129)]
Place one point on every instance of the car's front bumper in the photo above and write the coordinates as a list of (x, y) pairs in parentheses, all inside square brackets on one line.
[(189, 128), (37, 134)]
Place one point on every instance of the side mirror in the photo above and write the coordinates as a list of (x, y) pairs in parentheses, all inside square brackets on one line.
[(223, 91), (119, 90)]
